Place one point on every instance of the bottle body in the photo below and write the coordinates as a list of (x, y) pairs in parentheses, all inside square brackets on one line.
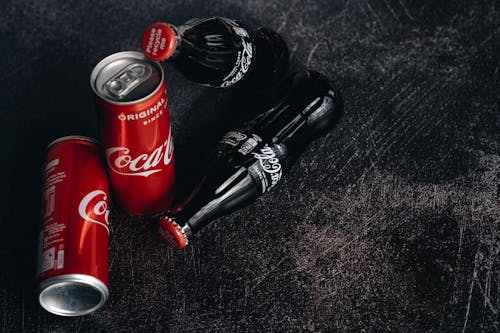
[(220, 52), (252, 160)]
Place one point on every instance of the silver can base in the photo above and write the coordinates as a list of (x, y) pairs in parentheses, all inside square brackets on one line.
[(72, 295)]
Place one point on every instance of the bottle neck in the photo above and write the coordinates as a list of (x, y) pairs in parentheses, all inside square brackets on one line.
[(178, 41)]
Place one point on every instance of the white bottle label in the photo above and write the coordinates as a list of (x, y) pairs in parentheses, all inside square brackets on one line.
[(269, 168), (244, 58)]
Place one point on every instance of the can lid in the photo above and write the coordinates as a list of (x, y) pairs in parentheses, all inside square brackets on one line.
[(126, 77), (172, 232), (73, 138), (159, 41), (72, 295)]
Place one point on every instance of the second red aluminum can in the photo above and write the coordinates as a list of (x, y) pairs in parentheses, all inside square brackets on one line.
[(74, 239), (133, 112)]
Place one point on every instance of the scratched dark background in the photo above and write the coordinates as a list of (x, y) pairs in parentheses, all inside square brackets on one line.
[(389, 223)]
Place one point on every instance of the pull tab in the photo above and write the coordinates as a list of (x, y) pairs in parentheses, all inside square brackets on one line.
[(128, 79)]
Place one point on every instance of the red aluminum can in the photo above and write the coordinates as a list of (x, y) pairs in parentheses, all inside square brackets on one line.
[(131, 102), (74, 240)]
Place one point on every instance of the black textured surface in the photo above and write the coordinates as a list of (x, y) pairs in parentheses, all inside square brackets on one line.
[(389, 223)]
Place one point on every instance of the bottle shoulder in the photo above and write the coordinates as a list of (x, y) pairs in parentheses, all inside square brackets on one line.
[(216, 51)]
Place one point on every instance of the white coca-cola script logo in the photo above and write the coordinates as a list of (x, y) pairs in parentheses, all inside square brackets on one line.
[(270, 164), (243, 63), (121, 162), (94, 208)]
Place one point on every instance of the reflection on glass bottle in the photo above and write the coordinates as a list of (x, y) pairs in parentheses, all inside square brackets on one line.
[(219, 52), (251, 161)]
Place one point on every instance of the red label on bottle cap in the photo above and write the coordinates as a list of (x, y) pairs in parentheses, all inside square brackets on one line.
[(172, 232), (158, 41)]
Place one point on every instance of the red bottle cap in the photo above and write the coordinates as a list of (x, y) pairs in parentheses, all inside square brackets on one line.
[(159, 42), (172, 232)]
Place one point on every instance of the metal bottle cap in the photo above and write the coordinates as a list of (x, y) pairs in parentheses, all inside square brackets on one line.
[(126, 77), (159, 41), (72, 294), (172, 232)]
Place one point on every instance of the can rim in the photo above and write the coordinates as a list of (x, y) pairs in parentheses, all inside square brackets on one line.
[(116, 56), (72, 137), (61, 281)]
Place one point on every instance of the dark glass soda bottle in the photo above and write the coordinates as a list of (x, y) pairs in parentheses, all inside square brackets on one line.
[(219, 52), (251, 161)]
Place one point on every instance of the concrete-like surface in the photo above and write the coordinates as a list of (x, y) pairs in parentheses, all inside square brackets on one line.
[(389, 223)]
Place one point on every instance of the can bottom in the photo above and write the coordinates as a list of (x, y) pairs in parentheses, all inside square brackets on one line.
[(72, 294)]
